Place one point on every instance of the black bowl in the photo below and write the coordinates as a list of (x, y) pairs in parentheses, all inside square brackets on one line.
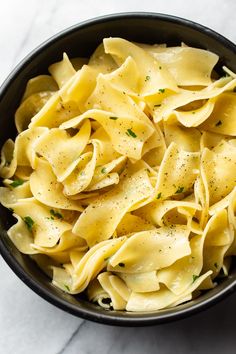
[(81, 40)]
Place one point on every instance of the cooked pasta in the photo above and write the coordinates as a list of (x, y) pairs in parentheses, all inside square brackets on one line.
[(122, 177)]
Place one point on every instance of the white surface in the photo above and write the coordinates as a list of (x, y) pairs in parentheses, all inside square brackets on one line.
[(28, 324)]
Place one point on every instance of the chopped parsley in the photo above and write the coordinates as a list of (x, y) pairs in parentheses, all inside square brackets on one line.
[(158, 195), (121, 265), (161, 90), (160, 67), (56, 214), (157, 105), (218, 123), (131, 133), (17, 183), (193, 112), (195, 277), (103, 170), (67, 287), (113, 118), (179, 190), (147, 78), (106, 259), (216, 265), (29, 222)]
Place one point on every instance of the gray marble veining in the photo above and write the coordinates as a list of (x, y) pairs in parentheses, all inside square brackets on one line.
[(28, 324)]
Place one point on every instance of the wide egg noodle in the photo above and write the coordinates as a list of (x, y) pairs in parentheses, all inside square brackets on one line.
[(127, 134), (119, 293), (222, 119), (186, 138), (173, 102), (117, 102), (47, 190), (21, 153), (40, 83), (169, 243), (126, 78), (153, 76), (189, 66), (30, 107), (102, 62), (159, 213), (61, 150), (8, 159), (179, 276), (162, 298), (25, 146), (97, 294), (103, 172), (195, 117), (11, 195), (67, 241), (54, 112), (62, 71), (82, 175), (21, 237), (107, 152), (218, 181), (177, 173), (46, 230), (131, 223), (80, 87), (141, 282), (218, 240), (133, 187), (93, 262)]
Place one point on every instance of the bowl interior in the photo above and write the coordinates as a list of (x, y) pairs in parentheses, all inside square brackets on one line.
[(81, 40)]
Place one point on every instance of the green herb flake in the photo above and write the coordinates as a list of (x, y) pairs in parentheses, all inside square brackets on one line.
[(106, 259), (56, 214), (218, 123), (193, 112), (158, 195), (29, 222), (17, 183), (157, 105), (179, 190), (147, 78), (103, 170), (131, 133), (216, 265), (122, 265), (113, 118), (195, 277), (161, 90), (10, 209), (67, 287), (160, 67)]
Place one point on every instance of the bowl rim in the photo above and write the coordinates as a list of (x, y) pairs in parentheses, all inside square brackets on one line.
[(146, 318)]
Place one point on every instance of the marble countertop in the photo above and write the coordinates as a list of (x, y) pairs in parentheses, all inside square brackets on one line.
[(30, 325)]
